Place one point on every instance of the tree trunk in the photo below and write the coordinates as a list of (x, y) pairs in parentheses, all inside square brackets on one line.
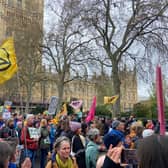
[(29, 95), (116, 86), (60, 87)]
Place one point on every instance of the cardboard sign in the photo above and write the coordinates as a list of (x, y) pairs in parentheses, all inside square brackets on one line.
[(34, 132), (53, 105), (6, 115)]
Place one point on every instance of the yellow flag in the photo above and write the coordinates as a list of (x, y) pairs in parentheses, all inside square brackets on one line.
[(63, 111), (110, 100), (8, 64)]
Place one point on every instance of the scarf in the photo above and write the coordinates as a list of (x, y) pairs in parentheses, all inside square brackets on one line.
[(61, 164)]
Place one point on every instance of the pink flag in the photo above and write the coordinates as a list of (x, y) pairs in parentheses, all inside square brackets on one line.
[(91, 113), (76, 104), (160, 100)]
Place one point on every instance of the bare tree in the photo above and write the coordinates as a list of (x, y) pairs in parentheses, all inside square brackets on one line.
[(131, 30), (30, 60), (65, 45)]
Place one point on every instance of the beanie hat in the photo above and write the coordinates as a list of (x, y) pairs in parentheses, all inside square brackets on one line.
[(93, 131), (28, 116), (19, 123), (115, 124), (111, 139), (74, 125), (147, 132)]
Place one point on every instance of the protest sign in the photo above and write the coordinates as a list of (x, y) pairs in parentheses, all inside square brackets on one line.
[(34, 132), (6, 115), (53, 105)]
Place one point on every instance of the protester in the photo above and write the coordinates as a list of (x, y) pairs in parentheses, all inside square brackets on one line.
[(115, 135), (19, 126), (84, 129), (128, 142), (149, 124), (13, 142), (61, 156), (92, 149), (78, 146), (152, 153), (44, 142), (5, 152), (136, 130), (8, 130), (66, 130), (52, 130), (28, 140), (147, 132)]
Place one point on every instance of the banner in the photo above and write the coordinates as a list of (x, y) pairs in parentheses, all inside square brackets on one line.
[(110, 100), (53, 105), (91, 113), (62, 112), (76, 104), (8, 63)]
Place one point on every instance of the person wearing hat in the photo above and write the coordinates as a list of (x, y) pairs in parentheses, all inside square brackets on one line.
[(92, 149), (116, 134), (78, 145), (147, 132)]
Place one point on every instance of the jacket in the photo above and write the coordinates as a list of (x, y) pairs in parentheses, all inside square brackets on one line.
[(30, 143), (91, 154), (53, 164), (108, 163)]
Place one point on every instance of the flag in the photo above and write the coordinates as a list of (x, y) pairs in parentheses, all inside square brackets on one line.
[(8, 64), (76, 104), (92, 110), (62, 112), (110, 100)]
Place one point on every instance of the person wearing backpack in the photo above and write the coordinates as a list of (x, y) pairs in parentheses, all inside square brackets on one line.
[(44, 142)]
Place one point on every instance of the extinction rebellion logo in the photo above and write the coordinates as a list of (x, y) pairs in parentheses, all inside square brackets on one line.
[(5, 62)]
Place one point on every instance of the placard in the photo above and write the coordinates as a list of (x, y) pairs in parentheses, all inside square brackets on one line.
[(34, 132), (53, 105)]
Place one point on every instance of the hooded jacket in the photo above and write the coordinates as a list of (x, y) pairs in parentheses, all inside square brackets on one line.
[(91, 154)]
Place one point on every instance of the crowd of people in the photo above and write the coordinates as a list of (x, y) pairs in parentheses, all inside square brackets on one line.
[(74, 143)]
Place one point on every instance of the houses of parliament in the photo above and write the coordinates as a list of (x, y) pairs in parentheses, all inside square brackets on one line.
[(23, 19)]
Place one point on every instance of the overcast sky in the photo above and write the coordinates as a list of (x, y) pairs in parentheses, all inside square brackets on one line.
[(143, 88)]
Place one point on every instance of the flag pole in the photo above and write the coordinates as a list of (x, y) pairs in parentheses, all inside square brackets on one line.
[(160, 100), (20, 93)]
